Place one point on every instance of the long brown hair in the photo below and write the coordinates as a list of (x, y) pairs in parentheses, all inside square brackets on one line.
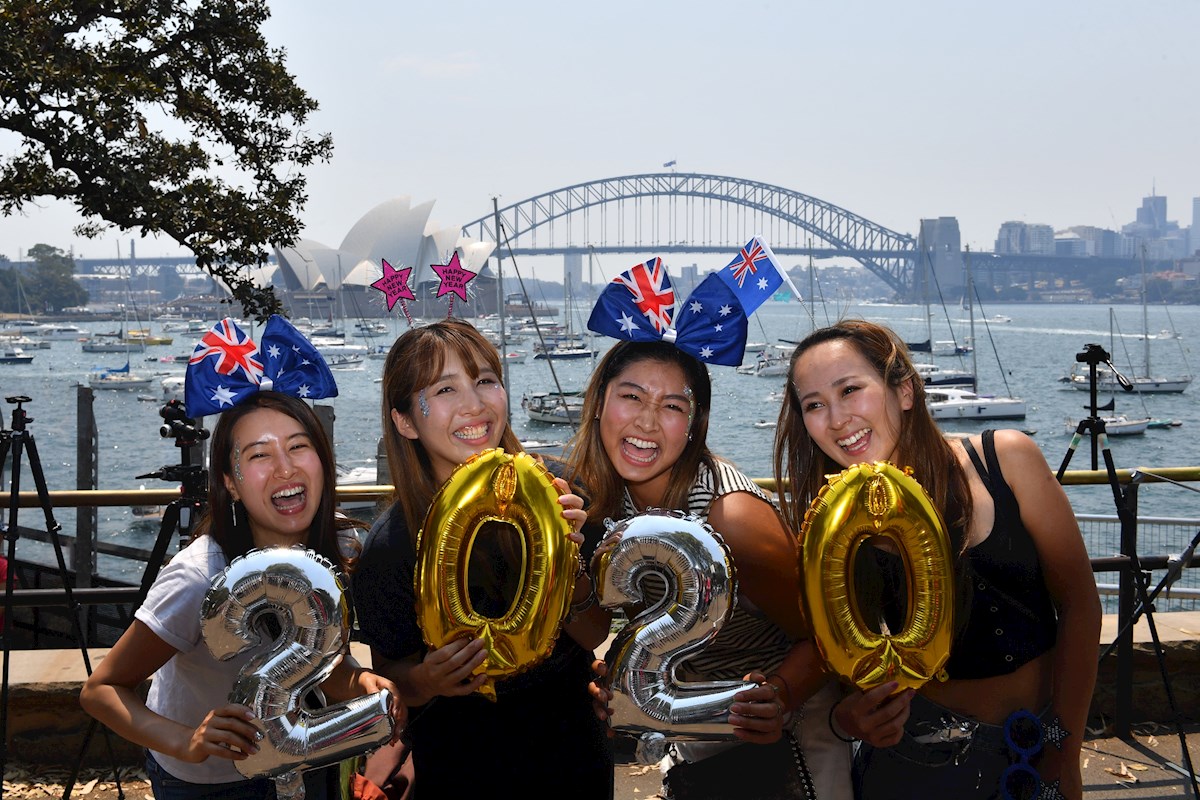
[(590, 467), (415, 361), (922, 446), (218, 521)]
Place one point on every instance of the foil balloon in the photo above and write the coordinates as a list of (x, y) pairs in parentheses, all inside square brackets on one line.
[(305, 595), (517, 492), (701, 589), (861, 503)]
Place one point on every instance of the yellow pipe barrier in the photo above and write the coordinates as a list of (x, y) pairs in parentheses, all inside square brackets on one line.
[(77, 498)]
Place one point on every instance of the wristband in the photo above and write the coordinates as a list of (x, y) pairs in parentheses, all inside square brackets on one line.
[(586, 603), (833, 727)]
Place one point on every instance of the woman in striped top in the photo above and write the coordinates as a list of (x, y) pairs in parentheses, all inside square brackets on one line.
[(642, 445)]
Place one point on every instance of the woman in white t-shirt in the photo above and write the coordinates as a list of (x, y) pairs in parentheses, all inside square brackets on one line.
[(272, 484)]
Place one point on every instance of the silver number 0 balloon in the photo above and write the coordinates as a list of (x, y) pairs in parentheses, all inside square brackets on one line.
[(302, 591), (701, 590)]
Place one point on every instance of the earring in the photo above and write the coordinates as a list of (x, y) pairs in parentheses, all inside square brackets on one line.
[(233, 511)]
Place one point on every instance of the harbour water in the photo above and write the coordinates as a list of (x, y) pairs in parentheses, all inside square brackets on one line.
[(1033, 349)]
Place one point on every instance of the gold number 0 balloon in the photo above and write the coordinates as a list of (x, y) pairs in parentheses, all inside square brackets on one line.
[(878, 500), (494, 486)]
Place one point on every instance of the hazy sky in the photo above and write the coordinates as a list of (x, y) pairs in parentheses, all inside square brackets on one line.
[(1065, 113)]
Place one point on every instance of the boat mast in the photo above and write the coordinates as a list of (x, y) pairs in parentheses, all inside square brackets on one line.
[(591, 302), (971, 316), (500, 309), (928, 313), (1145, 319)]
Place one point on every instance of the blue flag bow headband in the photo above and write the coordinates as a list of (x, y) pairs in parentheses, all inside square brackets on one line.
[(227, 367), (639, 306)]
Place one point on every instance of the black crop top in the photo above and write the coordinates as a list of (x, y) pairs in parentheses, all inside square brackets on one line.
[(1011, 618)]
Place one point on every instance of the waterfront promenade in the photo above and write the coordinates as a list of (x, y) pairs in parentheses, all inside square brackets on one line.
[(46, 724)]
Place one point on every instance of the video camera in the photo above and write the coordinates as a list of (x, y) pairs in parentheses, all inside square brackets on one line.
[(179, 425), (1093, 354)]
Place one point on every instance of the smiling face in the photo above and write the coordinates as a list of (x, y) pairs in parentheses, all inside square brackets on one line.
[(644, 426), (466, 415), (276, 473), (849, 411)]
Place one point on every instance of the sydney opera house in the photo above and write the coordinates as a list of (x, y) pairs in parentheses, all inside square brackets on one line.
[(338, 279)]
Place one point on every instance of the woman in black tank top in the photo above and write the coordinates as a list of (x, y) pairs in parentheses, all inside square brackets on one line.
[(1009, 720)]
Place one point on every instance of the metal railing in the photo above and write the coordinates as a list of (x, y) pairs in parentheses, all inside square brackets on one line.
[(1153, 541)]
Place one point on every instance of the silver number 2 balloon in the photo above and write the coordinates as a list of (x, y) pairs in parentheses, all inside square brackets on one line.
[(701, 590), (303, 592)]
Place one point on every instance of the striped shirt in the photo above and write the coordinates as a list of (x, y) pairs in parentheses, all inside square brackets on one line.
[(749, 641)]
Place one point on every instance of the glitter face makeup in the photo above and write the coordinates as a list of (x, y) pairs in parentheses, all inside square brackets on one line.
[(237, 464), (422, 403), (687, 391)]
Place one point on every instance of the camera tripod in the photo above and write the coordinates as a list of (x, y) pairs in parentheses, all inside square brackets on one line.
[(1094, 426), (180, 515), (19, 439)]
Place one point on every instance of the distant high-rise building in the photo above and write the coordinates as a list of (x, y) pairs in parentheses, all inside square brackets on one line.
[(1153, 212), (1022, 238), (1011, 238), (1039, 240), (688, 278), (1194, 231), (573, 274), (940, 246), (1096, 241)]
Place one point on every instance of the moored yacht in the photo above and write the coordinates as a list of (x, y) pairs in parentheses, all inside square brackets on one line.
[(950, 403)]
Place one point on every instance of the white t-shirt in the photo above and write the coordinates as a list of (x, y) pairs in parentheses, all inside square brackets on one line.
[(192, 682)]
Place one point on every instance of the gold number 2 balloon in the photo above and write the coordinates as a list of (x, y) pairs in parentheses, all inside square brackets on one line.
[(517, 490), (862, 502)]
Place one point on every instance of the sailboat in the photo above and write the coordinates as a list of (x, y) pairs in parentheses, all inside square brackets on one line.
[(1116, 424), (560, 407), (570, 345), (118, 378), (949, 402), (938, 347), (1148, 383)]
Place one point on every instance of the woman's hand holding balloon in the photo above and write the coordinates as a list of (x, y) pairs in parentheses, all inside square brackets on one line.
[(601, 694), (447, 670), (226, 732), (572, 509), (757, 715), (876, 716), (370, 682)]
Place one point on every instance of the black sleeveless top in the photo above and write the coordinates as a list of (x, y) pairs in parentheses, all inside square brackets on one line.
[(1011, 618)]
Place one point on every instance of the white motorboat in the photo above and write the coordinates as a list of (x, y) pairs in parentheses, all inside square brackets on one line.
[(172, 388), (935, 375), (560, 353), (555, 408), (345, 361), (946, 402), (60, 333), (14, 355), (770, 363)]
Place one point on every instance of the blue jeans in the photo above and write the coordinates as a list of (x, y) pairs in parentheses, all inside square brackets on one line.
[(167, 787), (942, 754)]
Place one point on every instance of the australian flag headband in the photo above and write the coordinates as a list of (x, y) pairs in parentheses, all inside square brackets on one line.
[(227, 367), (639, 305)]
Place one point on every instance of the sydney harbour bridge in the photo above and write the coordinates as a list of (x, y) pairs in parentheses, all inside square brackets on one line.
[(670, 212), (693, 213)]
